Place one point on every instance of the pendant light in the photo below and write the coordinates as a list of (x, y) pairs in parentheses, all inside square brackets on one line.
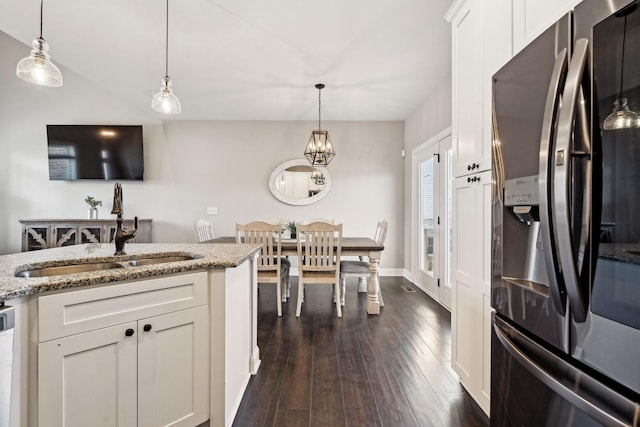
[(622, 117), (37, 68), (317, 177), (165, 101), (319, 150)]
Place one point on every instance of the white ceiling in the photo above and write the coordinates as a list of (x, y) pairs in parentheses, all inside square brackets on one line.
[(250, 59)]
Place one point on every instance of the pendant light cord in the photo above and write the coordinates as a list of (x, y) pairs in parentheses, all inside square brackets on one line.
[(624, 37), (166, 46), (41, 7), (319, 110)]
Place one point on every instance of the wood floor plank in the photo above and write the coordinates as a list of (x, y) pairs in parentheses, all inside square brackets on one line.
[(393, 406), (461, 412), (327, 406), (297, 377), (292, 418), (392, 369), (359, 401)]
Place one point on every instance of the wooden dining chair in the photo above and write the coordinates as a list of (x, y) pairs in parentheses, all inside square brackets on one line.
[(360, 269), (204, 230), (312, 220), (286, 292), (319, 247), (272, 267)]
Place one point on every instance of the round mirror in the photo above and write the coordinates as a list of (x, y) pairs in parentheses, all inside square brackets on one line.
[(296, 182)]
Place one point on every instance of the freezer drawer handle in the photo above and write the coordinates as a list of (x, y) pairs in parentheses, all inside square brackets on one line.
[(586, 390)]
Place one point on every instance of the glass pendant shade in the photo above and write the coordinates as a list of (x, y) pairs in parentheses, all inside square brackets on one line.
[(37, 68), (319, 150), (165, 101), (621, 117)]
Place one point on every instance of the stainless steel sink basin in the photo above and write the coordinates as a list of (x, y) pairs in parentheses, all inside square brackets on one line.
[(100, 266), (158, 260), (69, 269)]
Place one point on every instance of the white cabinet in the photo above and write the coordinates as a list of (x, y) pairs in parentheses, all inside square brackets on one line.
[(532, 17), (470, 314), (131, 354), (90, 376), (485, 35), (482, 43), (470, 154), (173, 369)]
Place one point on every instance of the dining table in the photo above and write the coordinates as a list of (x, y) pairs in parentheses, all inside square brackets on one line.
[(351, 246)]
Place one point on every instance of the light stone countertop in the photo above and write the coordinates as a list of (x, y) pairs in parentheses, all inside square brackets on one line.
[(207, 256)]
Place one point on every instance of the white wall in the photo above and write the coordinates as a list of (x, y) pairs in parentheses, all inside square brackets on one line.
[(433, 116), (189, 165)]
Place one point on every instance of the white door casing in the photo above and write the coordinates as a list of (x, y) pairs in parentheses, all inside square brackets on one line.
[(433, 280)]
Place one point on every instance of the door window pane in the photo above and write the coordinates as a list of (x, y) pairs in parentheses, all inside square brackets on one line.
[(427, 216)]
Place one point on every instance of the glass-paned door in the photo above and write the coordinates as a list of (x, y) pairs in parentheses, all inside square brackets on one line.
[(433, 168)]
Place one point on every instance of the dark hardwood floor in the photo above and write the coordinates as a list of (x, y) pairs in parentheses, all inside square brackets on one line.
[(387, 370)]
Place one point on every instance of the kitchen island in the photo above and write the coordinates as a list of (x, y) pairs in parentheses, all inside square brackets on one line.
[(146, 341)]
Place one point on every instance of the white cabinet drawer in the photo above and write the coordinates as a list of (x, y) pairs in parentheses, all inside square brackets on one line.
[(73, 312)]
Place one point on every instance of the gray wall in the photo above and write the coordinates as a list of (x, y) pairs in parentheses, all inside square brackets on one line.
[(190, 165)]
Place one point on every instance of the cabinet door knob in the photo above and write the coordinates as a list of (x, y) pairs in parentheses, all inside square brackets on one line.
[(468, 167), (129, 332), (468, 179), (147, 327)]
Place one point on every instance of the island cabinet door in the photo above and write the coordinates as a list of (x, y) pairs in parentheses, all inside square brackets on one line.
[(173, 369), (89, 379)]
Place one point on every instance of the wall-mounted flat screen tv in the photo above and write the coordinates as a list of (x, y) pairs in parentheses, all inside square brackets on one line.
[(104, 152)]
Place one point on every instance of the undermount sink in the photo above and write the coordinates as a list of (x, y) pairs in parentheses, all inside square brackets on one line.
[(100, 266), (69, 269), (158, 260)]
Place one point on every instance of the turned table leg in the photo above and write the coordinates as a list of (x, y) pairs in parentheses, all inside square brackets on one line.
[(373, 303)]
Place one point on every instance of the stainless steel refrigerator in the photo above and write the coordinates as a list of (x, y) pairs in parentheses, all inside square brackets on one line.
[(566, 224)]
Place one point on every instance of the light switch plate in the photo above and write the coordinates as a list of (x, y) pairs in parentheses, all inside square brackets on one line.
[(212, 211)]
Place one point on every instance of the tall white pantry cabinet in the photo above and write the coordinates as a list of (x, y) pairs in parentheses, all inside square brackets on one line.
[(485, 35)]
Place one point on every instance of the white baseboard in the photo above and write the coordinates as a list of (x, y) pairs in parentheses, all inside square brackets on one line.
[(392, 272), (389, 272)]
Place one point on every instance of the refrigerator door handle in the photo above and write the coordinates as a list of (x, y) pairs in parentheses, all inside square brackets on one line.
[(575, 386), (545, 181), (562, 179)]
